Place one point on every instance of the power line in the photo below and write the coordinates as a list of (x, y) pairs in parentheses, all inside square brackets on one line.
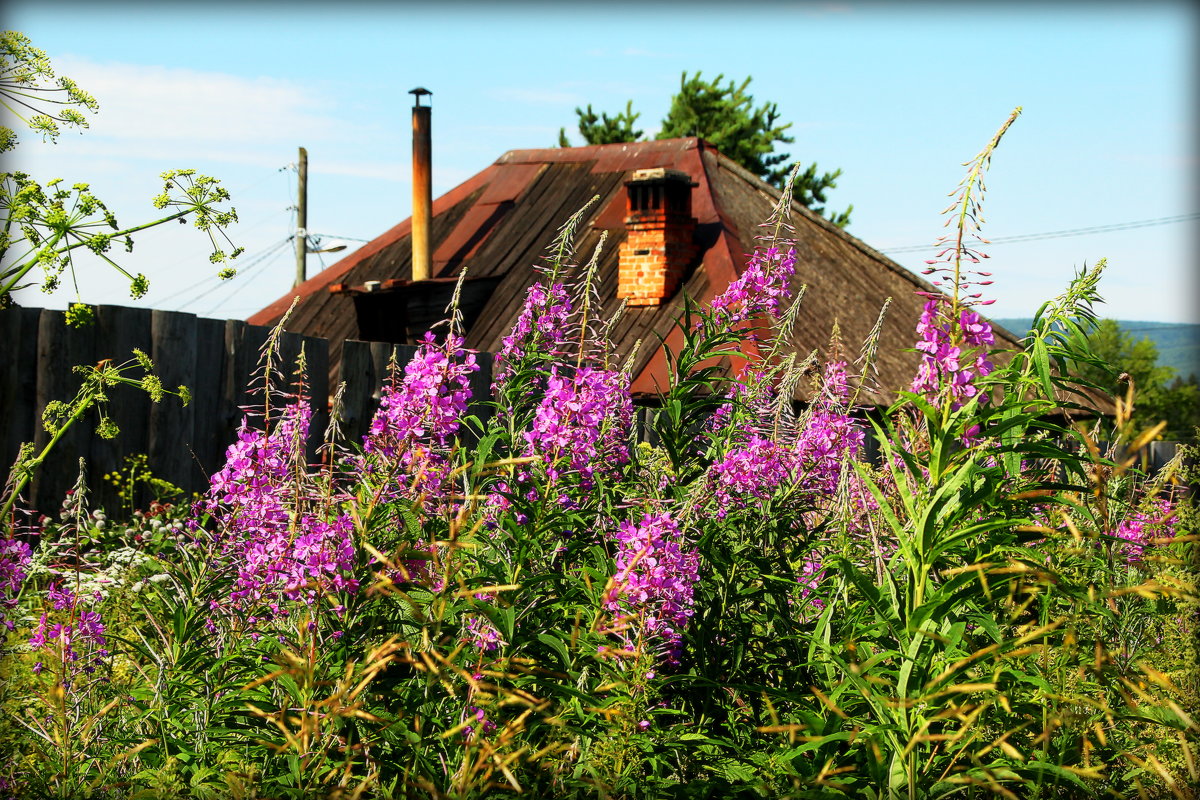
[(260, 266), (1031, 237), (334, 236), (261, 258), (210, 277)]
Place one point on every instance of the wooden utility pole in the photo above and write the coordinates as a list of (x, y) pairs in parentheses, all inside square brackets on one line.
[(302, 221)]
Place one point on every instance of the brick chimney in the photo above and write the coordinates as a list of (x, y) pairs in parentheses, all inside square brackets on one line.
[(659, 246)]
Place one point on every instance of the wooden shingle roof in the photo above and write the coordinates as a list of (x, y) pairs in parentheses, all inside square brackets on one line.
[(503, 220)]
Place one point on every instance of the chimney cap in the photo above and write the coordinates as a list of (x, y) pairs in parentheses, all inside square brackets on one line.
[(420, 91), (661, 174)]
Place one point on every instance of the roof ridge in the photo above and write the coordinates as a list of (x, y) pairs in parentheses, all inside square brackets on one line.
[(589, 152)]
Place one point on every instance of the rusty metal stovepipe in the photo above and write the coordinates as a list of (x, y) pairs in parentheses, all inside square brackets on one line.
[(422, 177)]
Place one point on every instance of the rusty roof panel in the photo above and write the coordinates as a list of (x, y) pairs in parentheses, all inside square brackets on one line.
[(465, 239), (510, 181), (630, 157)]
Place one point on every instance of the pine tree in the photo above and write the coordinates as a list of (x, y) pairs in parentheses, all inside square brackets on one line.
[(726, 117), (604, 129)]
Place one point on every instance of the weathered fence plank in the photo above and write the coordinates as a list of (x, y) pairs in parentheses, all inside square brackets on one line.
[(18, 382), (60, 347), (316, 351), (173, 349), (242, 345), (208, 393), (358, 373), (118, 331), (481, 388)]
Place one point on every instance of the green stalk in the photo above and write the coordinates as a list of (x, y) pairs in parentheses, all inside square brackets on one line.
[(22, 271), (30, 466)]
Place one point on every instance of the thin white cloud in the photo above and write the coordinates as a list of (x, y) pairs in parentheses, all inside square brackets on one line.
[(540, 130), (92, 157), (536, 96), (595, 88), (643, 53), (175, 118), (166, 154), (378, 170), (165, 104)]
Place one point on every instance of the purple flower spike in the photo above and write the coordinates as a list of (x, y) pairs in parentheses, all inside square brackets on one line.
[(418, 418), (1140, 528), (80, 628), (945, 367), (582, 424), (274, 557), (14, 565), (654, 582), (759, 289), (541, 328), (749, 474)]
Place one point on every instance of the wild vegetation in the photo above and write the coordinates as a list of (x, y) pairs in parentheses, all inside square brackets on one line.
[(44, 228), (735, 602)]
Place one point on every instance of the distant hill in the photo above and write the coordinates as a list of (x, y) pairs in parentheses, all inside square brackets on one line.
[(1178, 343)]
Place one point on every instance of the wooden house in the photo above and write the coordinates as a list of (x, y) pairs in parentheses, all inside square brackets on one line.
[(681, 220)]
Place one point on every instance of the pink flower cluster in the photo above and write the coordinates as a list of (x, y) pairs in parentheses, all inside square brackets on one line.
[(765, 282), (654, 582), (275, 557), (831, 437), (482, 634), (541, 327), (757, 465), (419, 568), (750, 473), (14, 563), (946, 366), (256, 465), (478, 720), (417, 419), (80, 627), (582, 424), (1141, 528), (811, 573)]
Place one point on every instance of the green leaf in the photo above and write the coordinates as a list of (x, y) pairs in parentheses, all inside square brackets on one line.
[(1041, 362), (556, 644), (1045, 768)]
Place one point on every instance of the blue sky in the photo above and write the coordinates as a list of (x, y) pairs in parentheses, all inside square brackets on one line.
[(896, 96)]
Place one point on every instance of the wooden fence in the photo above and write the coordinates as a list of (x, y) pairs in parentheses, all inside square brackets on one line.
[(215, 359)]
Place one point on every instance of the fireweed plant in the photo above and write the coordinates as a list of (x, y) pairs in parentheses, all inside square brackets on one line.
[(732, 601)]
